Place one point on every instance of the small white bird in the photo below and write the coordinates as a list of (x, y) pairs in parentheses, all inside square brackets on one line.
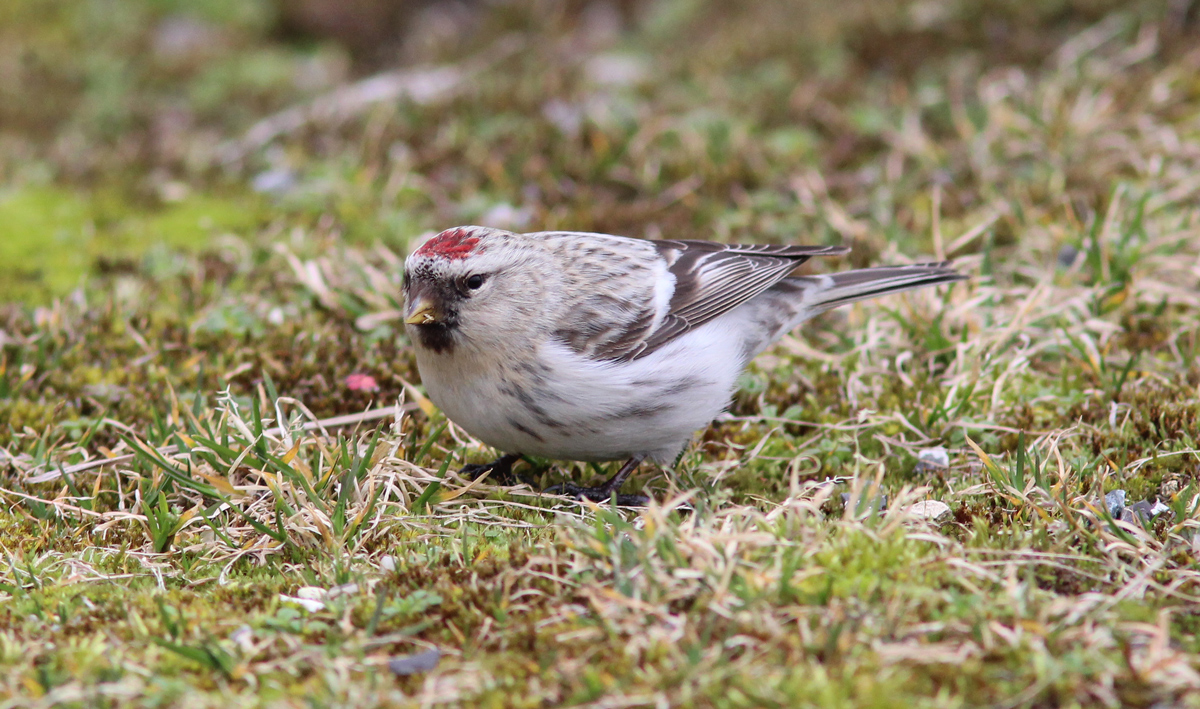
[(593, 347)]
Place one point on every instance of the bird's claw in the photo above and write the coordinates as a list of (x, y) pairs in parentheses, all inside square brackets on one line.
[(500, 468), (474, 470), (602, 493)]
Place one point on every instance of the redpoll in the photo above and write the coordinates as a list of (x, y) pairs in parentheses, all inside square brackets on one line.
[(593, 347)]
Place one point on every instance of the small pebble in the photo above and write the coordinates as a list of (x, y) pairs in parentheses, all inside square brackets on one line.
[(932, 460), (311, 593), (1143, 511), (388, 563), (343, 590), (412, 664), (1115, 501), (930, 510), (307, 604)]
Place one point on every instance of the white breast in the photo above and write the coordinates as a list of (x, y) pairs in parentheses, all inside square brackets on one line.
[(561, 405)]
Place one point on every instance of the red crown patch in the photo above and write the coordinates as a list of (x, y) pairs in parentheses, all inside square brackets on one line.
[(451, 244)]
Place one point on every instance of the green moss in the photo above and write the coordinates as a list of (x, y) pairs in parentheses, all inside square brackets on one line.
[(52, 239), (44, 235)]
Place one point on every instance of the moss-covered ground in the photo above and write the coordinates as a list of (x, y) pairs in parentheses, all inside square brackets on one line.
[(202, 221)]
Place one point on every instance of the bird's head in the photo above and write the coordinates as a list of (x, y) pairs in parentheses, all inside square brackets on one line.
[(472, 286)]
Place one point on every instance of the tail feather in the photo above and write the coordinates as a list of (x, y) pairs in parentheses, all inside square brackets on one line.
[(850, 286), (796, 299)]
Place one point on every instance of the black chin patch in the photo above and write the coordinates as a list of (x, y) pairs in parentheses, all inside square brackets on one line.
[(438, 337)]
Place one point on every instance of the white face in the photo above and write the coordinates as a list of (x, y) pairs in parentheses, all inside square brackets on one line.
[(472, 287)]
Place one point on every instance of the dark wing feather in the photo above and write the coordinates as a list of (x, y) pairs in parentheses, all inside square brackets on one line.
[(710, 280)]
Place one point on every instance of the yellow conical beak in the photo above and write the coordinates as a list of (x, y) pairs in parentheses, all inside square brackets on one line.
[(421, 311)]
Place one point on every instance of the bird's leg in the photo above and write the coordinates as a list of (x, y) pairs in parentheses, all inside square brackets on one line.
[(500, 468), (603, 493)]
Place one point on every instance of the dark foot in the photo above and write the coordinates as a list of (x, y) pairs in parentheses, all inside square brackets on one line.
[(603, 493), (500, 468), (596, 494)]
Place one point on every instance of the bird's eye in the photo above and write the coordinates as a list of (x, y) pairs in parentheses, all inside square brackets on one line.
[(475, 282)]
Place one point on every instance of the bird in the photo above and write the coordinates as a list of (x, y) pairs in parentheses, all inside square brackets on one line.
[(592, 347)]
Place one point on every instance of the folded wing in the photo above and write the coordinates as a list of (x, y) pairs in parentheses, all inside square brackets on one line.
[(710, 279)]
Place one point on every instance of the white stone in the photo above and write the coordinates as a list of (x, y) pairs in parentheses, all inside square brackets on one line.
[(311, 593), (929, 510), (307, 604), (936, 456)]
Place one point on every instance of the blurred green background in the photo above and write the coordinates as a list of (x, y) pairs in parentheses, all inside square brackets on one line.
[(122, 121)]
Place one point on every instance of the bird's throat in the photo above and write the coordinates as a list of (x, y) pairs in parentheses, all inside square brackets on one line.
[(435, 337)]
